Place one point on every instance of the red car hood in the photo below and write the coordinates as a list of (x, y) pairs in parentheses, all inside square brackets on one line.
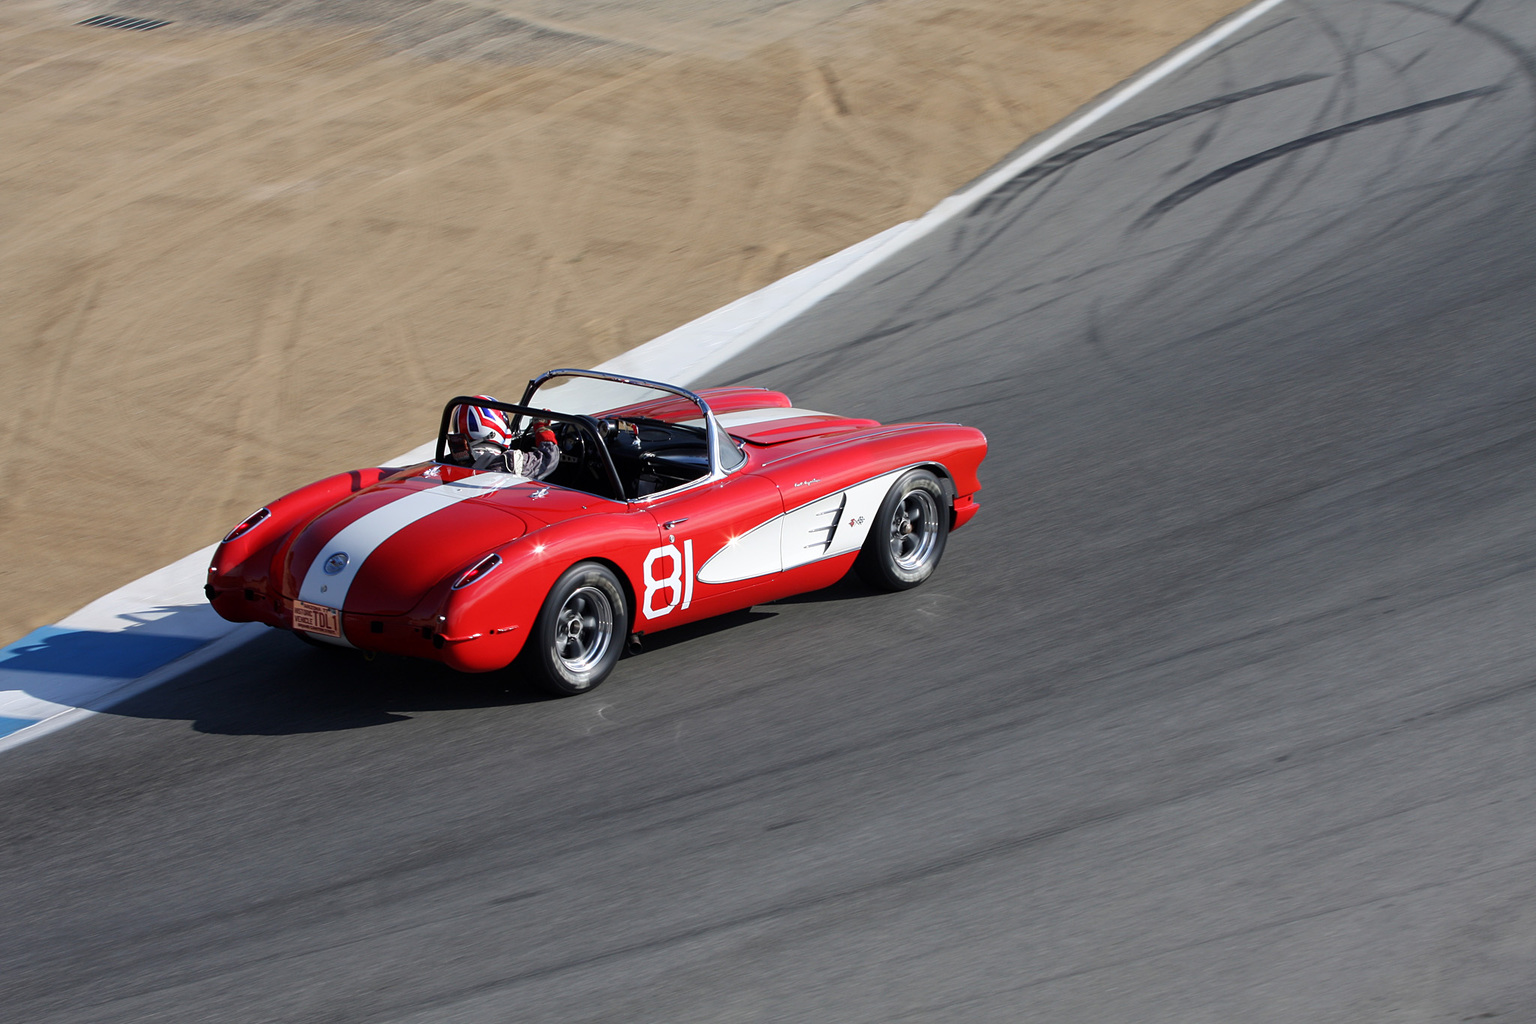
[(379, 551)]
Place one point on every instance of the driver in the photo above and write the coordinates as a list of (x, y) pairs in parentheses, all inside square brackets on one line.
[(487, 441)]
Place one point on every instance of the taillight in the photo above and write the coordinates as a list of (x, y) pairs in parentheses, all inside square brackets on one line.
[(251, 522), (482, 567)]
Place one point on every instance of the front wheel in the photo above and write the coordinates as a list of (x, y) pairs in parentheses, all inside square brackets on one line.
[(577, 638), (907, 538)]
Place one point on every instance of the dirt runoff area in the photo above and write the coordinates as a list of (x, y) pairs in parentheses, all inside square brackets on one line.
[(264, 243)]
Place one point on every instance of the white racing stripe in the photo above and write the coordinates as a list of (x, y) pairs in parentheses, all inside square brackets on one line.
[(752, 417), (359, 539)]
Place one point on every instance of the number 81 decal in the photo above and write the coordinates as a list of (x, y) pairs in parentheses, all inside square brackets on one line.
[(677, 584)]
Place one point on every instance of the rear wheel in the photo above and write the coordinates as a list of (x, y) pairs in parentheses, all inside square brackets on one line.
[(907, 538), (577, 638)]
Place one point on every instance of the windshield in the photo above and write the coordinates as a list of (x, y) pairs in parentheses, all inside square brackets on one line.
[(657, 437), (623, 399)]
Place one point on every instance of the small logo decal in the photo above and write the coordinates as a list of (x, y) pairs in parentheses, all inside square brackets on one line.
[(336, 563), (856, 521)]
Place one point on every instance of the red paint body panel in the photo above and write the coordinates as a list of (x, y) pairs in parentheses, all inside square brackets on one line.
[(720, 400), (839, 461), (798, 428), (253, 561), (399, 596), (723, 400), (442, 546), (711, 515)]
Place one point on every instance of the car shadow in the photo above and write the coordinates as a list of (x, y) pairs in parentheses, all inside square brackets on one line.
[(277, 685), (707, 627), (849, 588)]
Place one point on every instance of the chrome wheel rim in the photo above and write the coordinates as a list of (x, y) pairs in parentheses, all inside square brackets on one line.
[(914, 530), (583, 629)]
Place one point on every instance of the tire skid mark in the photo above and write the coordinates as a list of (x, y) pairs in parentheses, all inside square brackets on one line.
[(1029, 177), (1221, 174), (1338, 266), (1332, 270), (974, 249), (1346, 97), (1005, 193), (1226, 48), (996, 231), (1522, 55), (966, 251), (1341, 97), (1467, 11), (1449, 189)]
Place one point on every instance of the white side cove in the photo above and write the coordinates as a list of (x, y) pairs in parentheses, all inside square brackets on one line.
[(32, 705), (825, 528)]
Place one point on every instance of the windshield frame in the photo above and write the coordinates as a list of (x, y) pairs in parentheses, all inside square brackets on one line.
[(714, 434)]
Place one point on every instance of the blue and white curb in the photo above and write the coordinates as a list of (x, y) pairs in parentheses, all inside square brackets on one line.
[(116, 646), (160, 626)]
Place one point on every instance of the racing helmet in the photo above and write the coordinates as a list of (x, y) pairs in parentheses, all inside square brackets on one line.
[(480, 424)]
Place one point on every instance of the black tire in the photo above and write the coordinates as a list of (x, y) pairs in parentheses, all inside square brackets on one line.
[(579, 634), (908, 535)]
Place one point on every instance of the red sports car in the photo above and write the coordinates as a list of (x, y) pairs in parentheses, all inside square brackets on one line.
[(655, 508)]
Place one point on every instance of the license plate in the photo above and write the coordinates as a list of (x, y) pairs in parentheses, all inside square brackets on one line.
[(315, 618)]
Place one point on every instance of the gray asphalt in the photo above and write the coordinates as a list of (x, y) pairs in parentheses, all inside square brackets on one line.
[(1221, 710)]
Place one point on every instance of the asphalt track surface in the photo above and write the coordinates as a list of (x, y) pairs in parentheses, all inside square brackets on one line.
[(1221, 710)]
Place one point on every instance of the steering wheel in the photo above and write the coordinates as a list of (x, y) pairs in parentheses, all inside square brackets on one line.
[(571, 440)]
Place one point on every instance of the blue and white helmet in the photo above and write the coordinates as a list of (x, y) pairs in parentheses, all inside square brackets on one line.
[(481, 423)]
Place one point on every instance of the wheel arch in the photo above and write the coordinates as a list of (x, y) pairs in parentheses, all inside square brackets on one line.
[(619, 574), (946, 483)]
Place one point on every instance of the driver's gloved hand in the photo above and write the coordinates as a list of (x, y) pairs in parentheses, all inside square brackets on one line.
[(534, 436)]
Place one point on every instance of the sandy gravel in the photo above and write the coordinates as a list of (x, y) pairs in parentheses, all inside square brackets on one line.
[(239, 253)]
